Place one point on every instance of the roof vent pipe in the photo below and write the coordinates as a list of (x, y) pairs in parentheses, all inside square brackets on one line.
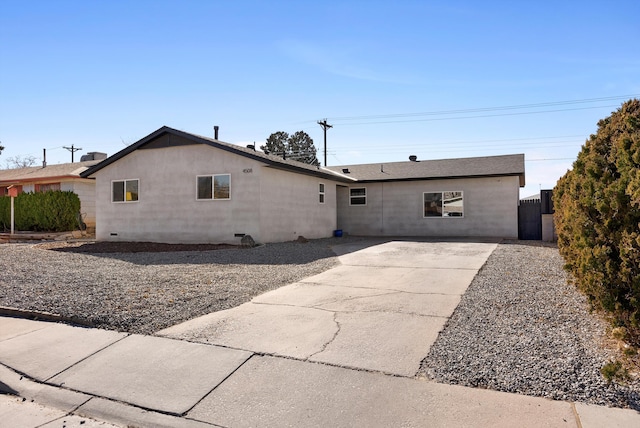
[(215, 131), (413, 158)]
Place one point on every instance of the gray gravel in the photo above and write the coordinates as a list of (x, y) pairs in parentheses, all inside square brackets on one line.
[(148, 291), (521, 328)]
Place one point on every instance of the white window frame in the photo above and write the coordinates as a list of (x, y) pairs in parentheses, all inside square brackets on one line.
[(445, 213), (321, 193), (213, 181), (124, 192), (352, 197)]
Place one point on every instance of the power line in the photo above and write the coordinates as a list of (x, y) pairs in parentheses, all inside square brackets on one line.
[(552, 159), (442, 146), (472, 144), (485, 109), (476, 116)]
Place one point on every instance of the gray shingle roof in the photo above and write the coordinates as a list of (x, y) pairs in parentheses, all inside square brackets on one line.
[(505, 165), (35, 173), (272, 160)]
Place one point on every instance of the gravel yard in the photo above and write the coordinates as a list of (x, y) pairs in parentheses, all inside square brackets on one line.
[(143, 288), (520, 328)]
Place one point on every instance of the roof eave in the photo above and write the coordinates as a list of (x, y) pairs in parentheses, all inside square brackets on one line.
[(197, 139), (449, 177), (41, 179), (122, 153)]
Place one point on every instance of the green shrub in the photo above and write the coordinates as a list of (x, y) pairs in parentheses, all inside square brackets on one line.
[(614, 371), (53, 211), (597, 218)]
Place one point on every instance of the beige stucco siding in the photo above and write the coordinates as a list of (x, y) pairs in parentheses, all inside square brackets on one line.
[(167, 209), (290, 206), (86, 191), (396, 209)]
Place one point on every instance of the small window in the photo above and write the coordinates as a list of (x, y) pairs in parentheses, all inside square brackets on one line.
[(214, 187), (443, 204), (49, 187), (358, 196), (124, 191), (321, 193)]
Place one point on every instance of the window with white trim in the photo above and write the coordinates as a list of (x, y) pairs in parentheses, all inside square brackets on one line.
[(321, 193), (124, 190), (217, 186), (443, 204), (358, 196)]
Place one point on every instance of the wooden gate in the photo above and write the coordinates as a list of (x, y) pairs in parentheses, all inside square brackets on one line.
[(530, 219)]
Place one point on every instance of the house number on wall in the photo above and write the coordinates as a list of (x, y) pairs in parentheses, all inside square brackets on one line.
[(247, 170)]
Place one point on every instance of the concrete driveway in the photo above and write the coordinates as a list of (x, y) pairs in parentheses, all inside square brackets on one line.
[(352, 339), (380, 310)]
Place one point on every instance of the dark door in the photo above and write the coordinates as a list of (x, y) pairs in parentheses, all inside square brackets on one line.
[(530, 220)]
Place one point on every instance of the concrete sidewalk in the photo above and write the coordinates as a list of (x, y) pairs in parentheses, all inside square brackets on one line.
[(337, 349)]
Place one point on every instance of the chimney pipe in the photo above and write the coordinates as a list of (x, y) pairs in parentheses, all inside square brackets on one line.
[(215, 131), (44, 158)]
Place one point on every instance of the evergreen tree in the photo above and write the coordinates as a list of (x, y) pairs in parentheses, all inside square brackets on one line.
[(302, 149), (276, 143), (597, 217), (298, 146)]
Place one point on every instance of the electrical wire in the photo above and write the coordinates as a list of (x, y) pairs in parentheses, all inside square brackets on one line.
[(474, 117), (486, 109)]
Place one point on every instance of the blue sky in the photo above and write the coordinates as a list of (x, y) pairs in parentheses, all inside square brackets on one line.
[(395, 78)]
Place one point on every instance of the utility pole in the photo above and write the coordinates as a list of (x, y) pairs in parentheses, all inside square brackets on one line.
[(72, 150), (325, 125)]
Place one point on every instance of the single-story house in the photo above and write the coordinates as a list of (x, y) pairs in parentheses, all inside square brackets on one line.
[(65, 177), (177, 187)]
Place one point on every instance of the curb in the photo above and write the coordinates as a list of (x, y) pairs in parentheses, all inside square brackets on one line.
[(43, 316)]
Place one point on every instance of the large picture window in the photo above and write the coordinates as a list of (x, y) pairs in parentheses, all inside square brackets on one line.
[(443, 204), (358, 196), (214, 187), (124, 191)]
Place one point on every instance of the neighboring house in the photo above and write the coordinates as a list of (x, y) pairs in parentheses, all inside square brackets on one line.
[(177, 187), (65, 177)]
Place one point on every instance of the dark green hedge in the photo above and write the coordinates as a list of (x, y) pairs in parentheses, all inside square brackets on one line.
[(53, 211), (597, 218)]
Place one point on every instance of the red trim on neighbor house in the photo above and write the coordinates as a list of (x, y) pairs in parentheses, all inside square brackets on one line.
[(43, 180)]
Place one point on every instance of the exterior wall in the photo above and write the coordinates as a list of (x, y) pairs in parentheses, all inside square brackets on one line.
[(396, 209), (86, 191), (273, 205), (290, 206), (167, 209)]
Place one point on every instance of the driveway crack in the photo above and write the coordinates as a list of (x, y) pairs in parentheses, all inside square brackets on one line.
[(324, 347)]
